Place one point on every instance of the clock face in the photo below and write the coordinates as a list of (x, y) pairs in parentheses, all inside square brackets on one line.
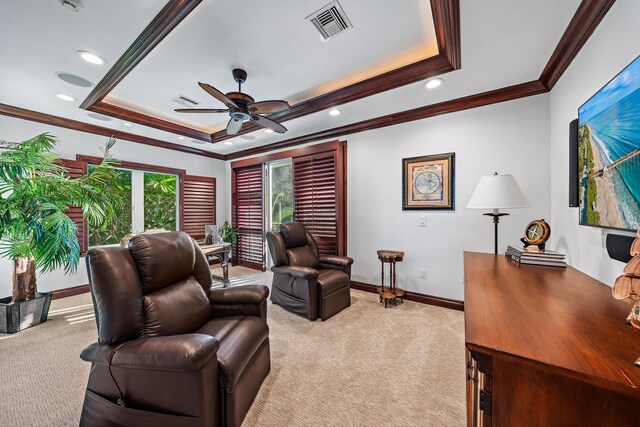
[(534, 231), (537, 232)]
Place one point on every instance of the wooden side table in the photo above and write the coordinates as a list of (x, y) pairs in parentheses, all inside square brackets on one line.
[(392, 292)]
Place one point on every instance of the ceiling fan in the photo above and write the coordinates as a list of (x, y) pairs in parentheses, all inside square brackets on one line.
[(242, 107)]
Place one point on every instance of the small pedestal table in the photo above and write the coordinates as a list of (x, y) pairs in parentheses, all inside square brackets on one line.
[(392, 292)]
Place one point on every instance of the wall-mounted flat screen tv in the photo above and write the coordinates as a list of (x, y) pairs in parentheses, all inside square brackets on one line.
[(609, 153)]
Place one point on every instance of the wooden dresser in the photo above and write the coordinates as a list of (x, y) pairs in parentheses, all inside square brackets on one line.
[(546, 347)]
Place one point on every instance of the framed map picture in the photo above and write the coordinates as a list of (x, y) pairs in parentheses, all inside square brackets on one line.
[(428, 182)]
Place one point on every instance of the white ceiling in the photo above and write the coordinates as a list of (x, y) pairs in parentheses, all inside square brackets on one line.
[(39, 38), (281, 51), (504, 42)]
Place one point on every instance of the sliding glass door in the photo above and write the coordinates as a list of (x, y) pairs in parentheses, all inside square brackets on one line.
[(307, 185), (279, 193)]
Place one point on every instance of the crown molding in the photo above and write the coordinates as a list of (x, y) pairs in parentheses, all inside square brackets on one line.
[(582, 25), (499, 95), (35, 116), (161, 25)]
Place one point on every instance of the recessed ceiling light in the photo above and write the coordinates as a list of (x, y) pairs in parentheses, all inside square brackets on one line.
[(65, 97), (73, 79), (197, 141), (248, 137), (100, 117), (228, 143), (268, 130), (91, 58), (433, 83), (127, 124), (181, 137), (334, 112)]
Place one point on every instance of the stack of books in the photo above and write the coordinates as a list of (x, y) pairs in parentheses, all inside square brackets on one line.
[(547, 257)]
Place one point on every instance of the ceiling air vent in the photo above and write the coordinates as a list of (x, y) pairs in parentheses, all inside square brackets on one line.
[(183, 100), (330, 20)]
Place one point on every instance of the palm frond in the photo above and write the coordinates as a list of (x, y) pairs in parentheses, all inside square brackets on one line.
[(35, 192)]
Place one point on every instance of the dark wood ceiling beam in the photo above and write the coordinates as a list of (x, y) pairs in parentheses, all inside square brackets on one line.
[(446, 19), (473, 101), (146, 120), (582, 25), (35, 116), (163, 23)]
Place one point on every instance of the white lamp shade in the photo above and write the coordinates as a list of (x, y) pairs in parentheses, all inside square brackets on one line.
[(497, 192)]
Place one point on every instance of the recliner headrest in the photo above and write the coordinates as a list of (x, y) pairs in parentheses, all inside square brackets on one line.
[(162, 259), (294, 234)]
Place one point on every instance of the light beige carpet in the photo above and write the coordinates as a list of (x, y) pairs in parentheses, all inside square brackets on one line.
[(367, 366)]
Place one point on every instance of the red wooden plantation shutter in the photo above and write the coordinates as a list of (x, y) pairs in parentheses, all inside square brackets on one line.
[(198, 204), (318, 187), (76, 169), (248, 216)]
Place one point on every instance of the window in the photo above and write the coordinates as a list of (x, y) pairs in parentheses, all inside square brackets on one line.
[(121, 226), (280, 193), (151, 203), (160, 201)]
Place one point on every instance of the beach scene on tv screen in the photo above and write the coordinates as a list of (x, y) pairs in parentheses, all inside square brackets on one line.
[(609, 153)]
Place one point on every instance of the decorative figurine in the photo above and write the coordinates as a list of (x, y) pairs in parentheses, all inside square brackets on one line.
[(628, 286)]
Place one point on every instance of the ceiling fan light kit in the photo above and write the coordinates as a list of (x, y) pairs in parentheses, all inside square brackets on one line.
[(242, 107)]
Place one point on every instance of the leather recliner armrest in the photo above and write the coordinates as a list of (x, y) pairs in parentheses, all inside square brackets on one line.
[(342, 261), (249, 300), (306, 273), (174, 353), (249, 294)]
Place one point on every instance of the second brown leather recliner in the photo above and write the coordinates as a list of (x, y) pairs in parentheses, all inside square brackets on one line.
[(305, 282)]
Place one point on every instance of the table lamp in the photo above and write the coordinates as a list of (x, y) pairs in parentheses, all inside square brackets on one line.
[(497, 192)]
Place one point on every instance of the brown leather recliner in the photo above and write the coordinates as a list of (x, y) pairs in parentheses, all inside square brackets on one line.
[(303, 281), (171, 351)]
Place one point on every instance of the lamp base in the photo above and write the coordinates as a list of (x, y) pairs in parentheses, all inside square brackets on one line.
[(496, 219)]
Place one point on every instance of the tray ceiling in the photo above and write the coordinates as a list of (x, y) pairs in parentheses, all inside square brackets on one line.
[(281, 51)]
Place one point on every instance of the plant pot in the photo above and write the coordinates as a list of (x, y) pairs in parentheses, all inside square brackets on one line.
[(17, 316)]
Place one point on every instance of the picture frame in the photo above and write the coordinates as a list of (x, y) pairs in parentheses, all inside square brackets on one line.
[(428, 182)]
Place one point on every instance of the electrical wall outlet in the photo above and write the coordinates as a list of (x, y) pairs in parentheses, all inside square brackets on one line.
[(463, 278), (422, 221), (423, 273)]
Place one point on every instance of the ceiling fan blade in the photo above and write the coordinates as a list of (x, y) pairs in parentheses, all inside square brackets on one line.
[(268, 124), (233, 127), (201, 110), (218, 95), (268, 107)]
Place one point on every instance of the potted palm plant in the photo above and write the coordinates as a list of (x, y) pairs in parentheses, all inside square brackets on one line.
[(228, 234), (35, 232)]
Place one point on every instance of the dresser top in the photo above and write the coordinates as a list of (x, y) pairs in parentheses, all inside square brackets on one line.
[(559, 319)]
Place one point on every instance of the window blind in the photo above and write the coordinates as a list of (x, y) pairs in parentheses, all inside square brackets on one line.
[(76, 169), (248, 216), (315, 189), (198, 204)]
